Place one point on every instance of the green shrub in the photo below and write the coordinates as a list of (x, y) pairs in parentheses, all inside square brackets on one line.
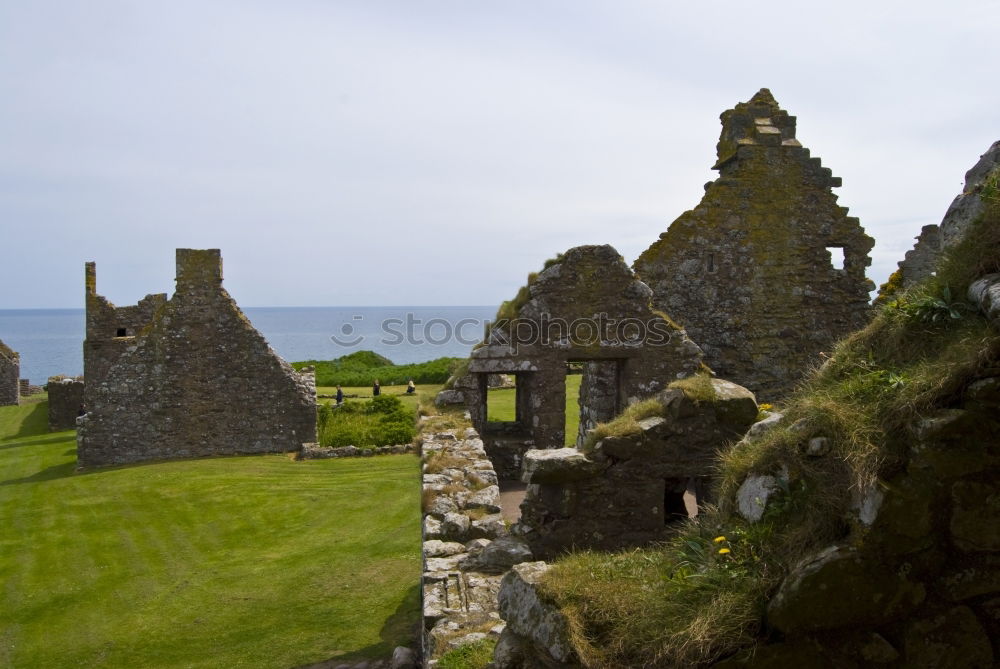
[(381, 421), (361, 368)]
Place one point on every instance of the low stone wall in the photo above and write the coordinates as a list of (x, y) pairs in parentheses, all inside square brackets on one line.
[(316, 452), (65, 400), (630, 489), (466, 546)]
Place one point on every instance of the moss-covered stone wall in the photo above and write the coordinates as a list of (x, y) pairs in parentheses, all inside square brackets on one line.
[(749, 272)]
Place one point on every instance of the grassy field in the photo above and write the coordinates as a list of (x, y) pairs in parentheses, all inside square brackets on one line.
[(500, 406), (254, 561), (365, 393)]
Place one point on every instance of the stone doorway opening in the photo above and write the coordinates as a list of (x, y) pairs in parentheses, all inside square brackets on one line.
[(600, 398)]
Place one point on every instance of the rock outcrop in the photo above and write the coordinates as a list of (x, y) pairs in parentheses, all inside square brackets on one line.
[(753, 272)]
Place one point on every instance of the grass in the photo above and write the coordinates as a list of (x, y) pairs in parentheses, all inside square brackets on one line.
[(474, 655), (500, 406), (701, 596), (254, 561)]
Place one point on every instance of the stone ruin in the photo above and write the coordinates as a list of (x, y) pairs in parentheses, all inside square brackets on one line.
[(754, 272), (629, 490), (66, 398), (186, 377), (586, 307), (110, 330), (10, 372), (920, 262)]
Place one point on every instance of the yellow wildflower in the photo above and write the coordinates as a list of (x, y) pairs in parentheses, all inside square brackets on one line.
[(719, 539), (723, 551)]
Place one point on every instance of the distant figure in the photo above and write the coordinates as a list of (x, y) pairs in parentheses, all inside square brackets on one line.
[(82, 411), (340, 396), (410, 388), (376, 389)]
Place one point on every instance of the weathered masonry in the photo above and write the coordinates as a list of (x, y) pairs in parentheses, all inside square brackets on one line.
[(110, 329), (197, 380), (10, 372), (65, 401), (586, 307), (767, 271), (627, 490)]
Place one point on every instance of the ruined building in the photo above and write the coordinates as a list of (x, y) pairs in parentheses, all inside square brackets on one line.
[(188, 376), (586, 307), (627, 490), (10, 371), (980, 185), (767, 271)]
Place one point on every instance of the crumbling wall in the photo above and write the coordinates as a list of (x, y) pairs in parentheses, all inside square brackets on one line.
[(10, 372), (66, 399), (980, 180), (198, 380), (110, 330), (748, 272), (587, 306), (629, 489)]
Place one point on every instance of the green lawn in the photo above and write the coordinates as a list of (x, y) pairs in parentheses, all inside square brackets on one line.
[(254, 561), (500, 406)]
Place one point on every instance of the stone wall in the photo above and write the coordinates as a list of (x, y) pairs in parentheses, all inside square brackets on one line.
[(110, 330), (586, 306), (750, 272), (466, 546), (920, 262), (630, 489), (10, 372), (197, 380), (66, 397)]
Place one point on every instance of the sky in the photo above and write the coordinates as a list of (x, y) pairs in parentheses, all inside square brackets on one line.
[(428, 152)]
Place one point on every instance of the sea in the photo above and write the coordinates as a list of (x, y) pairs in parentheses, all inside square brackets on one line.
[(50, 341)]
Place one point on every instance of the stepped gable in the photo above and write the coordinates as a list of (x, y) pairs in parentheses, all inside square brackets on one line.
[(10, 372), (198, 380), (754, 272)]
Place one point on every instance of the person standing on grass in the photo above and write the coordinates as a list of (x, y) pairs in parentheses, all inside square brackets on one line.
[(340, 396), (410, 388), (376, 389)]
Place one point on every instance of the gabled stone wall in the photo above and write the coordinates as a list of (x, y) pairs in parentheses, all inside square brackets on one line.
[(198, 380), (747, 272), (587, 306), (10, 372)]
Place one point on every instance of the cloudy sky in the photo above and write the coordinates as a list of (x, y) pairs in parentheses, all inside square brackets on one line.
[(433, 152)]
